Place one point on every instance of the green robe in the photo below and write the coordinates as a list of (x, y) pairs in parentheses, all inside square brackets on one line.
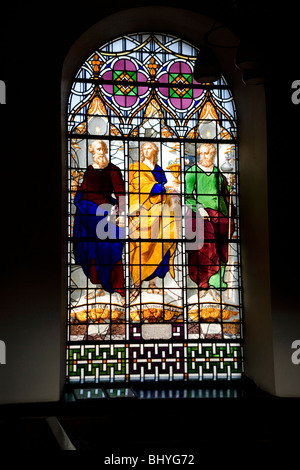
[(208, 190)]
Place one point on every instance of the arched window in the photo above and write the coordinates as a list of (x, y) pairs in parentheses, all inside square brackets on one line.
[(154, 275)]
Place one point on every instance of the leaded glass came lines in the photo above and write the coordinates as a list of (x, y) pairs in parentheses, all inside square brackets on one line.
[(154, 275)]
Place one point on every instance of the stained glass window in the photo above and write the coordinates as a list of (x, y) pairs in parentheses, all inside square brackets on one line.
[(154, 276)]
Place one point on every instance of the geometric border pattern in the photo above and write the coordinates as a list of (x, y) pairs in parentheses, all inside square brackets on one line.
[(126, 362)]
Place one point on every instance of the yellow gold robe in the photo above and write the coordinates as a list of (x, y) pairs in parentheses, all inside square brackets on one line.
[(151, 217)]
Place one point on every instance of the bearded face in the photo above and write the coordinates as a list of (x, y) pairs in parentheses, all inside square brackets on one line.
[(99, 155), (206, 156)]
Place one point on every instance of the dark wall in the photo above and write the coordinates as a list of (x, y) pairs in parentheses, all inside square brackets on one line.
[(283, 121)]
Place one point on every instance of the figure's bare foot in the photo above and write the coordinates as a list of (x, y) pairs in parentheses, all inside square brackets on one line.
[(120, 299), (152, 289), (134, 293), (90, 295), (94, 293), (202, 293), (215, 295)]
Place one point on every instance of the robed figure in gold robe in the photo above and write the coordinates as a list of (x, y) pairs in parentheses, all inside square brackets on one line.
[(152, 221)]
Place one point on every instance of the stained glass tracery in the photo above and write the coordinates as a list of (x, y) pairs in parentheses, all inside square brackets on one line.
[(147, 301)]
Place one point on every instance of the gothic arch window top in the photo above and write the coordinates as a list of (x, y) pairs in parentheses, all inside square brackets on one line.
[(129, 73)]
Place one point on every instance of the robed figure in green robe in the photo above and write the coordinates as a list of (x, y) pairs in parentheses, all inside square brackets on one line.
[(207, 192)]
